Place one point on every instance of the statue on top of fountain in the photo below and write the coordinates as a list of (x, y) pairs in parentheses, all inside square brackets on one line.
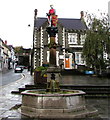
[(52, 17)]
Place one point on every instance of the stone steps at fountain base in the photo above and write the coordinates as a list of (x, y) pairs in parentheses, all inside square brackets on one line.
[(91, 91)]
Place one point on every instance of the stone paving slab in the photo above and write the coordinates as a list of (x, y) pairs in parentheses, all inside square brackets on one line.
[(8, 101)]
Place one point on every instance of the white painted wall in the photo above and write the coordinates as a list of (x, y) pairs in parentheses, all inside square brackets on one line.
[(109, 12)]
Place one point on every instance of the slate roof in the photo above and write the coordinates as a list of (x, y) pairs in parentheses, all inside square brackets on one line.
[(39, 22), (75, 24), (68, 23)]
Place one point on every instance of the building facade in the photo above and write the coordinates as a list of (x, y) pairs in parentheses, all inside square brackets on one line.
[(7, 56), (11, 57), (109, 12), (70, 38), (1, 54)]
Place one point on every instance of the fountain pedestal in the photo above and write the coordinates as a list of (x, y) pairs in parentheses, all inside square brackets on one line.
[(41, 104), (53, 77)]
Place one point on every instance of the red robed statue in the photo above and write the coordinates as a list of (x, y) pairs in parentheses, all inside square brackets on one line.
[(52, 17)]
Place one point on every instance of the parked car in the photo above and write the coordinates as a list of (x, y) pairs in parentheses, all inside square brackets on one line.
[(25, 67), (21, 66), (18, 69)]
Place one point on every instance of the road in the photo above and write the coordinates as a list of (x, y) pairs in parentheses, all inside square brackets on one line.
[(9, 77)]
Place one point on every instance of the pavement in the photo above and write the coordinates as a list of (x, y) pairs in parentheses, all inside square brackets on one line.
[(9, 103), (4, 70)]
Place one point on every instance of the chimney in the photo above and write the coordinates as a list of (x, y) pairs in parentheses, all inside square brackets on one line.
[(6, 42), (35, 12), (35, 16), (82, 15)]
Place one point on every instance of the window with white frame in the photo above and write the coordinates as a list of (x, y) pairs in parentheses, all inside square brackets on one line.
[(72, 38), (82, 38), (105, 56), (48, 39), (56, 39), (79, 59), (48, 56), (57, 58)]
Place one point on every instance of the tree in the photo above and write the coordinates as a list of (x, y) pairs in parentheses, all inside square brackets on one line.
[(97, 41), (19, 49)]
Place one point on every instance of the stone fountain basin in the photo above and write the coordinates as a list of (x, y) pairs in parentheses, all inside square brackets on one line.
[(39, 103)]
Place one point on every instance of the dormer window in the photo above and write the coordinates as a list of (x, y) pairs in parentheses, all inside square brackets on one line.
[(72, 38)]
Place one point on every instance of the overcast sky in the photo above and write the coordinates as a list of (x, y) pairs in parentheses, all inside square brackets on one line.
[(15, 15)]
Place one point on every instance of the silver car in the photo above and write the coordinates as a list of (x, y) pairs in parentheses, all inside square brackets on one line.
[(18, 69)]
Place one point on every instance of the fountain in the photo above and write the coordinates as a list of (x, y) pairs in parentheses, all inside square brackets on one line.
[(54, 102)]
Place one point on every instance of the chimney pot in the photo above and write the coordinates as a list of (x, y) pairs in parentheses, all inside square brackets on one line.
[(82, 14), (35, 12), (6, 42)]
